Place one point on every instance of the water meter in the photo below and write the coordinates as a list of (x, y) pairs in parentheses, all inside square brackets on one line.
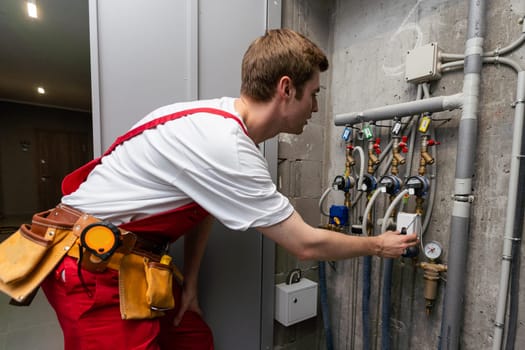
[(369, 183), (343, 183), (391, 184), (417, 185)]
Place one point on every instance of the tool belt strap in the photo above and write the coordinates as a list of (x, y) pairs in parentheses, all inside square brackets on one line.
[(32, 252)]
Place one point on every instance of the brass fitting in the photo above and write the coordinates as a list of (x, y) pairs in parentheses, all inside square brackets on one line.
[(348, 201), (419, 205), (397, 158), (372, 158), (350, 161), (332, 227), (426, 158), (431, 275)]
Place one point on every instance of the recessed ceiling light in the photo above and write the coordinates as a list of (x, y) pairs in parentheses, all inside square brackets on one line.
[(41, 90), (32, 9)]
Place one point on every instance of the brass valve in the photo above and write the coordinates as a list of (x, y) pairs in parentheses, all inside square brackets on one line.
[(399, 145), (426, 158), (373, 150)]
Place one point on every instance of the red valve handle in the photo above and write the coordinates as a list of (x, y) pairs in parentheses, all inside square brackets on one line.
[(432, 142), (377, 146), (403, 144)]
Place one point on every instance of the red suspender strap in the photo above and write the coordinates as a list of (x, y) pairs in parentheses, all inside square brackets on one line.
[(73, 180)]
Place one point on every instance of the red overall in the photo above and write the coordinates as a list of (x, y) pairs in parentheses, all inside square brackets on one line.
[(95, 322)]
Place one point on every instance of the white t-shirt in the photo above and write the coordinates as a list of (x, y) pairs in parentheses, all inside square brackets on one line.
[(203, 158)]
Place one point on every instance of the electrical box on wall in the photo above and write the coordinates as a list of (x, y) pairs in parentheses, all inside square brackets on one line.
[(410, 222), (295, 302), (422, 64)]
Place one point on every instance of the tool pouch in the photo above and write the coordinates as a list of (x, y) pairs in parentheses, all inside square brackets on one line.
[(30, 254), (159, 293), (144, 292)]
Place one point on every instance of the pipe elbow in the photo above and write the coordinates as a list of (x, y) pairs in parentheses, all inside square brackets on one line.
[(373, 159), (399, 158)]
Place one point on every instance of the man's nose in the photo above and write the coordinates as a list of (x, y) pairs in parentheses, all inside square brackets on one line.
[(315, 106)]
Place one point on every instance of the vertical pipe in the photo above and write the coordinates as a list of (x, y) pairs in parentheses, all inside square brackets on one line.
[(519, 111), (367, 275), (365, 296), (513, 320), (386, 296), (324, 305), (467, 141)]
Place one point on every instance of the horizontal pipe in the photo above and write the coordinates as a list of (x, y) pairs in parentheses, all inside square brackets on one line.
[(493, 60), (430, 105)]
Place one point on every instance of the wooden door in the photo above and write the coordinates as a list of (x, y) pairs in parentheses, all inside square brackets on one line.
[(58, 153)]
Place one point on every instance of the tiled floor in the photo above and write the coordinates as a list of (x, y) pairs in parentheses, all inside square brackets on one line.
[(34, 327)]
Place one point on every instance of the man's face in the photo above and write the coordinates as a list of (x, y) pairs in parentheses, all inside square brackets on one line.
[(300, 110)]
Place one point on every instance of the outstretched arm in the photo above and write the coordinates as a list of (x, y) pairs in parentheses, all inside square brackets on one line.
[(308, 243), (194, 246)]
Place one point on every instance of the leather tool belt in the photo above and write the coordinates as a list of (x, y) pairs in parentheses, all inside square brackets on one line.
[(32, 252)]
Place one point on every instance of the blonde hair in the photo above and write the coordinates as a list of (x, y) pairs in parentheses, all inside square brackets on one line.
[(278, 53)]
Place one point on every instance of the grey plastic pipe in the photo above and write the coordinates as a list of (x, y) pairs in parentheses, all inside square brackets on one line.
[(494, 60), (516, 157), (467, 141), (433, 104), (497, 52)]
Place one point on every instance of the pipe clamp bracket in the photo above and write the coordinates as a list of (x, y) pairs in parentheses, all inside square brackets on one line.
[(513, 104), (463, 198), (499, 325)]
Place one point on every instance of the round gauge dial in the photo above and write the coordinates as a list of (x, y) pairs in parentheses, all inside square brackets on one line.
[(433, 250)]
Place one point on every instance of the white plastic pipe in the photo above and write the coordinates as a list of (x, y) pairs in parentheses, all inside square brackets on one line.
[(368, 208), (391, 208)]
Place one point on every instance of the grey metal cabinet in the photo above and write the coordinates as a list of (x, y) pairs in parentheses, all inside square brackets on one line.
[(147, 54)]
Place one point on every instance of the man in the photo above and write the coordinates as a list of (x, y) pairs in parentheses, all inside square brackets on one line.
[(181, 167)]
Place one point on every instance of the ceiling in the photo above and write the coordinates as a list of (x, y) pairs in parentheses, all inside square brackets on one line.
[(51, 51)]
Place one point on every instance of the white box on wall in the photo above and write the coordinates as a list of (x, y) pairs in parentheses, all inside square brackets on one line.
[(422, 64), (295, 302)]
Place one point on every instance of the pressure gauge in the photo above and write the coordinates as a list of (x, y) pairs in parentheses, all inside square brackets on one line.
[(433, 250)]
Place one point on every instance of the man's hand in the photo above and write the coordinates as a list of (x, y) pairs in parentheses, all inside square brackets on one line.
[(392, 244), (194, 246), (188, 302)]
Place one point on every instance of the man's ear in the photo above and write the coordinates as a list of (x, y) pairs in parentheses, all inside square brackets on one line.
[(285, 87)]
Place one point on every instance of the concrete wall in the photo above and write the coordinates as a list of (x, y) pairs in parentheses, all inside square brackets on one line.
[(302, 160), (367, 43)]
